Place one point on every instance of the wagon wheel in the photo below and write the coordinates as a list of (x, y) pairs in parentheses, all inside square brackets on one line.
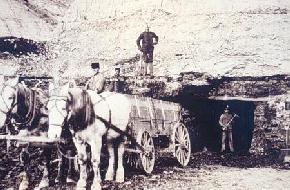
[(147, 155), (182, 145)]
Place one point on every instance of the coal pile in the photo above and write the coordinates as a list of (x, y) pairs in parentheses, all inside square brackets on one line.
[(14, 46)]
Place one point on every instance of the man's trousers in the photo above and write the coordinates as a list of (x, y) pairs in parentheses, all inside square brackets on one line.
[(229, 134)]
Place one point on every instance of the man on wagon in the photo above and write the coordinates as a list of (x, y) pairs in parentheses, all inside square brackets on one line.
[(97, 82), (226, 122), (147, 37), (117, 82)]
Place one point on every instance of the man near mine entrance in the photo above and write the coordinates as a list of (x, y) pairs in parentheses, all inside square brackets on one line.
[(149, 39), (117, 82), (226, 122)]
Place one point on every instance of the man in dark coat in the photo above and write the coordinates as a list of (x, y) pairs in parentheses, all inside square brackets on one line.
[(117, 82), (226, 122), (149, 39)]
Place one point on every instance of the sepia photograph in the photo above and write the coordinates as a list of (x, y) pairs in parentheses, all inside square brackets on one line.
[(144, 94)]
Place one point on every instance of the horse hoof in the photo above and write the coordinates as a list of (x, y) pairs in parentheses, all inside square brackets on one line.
[(109, 178), (96, 187), (57, 180), (120, 176), (70, 180), (42, 184), (81, 186), (120, 179)]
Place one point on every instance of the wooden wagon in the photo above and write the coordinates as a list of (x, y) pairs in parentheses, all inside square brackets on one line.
[(157, 127)]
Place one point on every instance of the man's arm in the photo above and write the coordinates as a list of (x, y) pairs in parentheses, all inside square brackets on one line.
[(139, 40), (101, 85), (221, 123), (156, 38), (87, 86), (220, 120)]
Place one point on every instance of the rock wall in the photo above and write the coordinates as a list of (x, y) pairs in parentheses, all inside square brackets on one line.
[(267, 93), (270, 121)]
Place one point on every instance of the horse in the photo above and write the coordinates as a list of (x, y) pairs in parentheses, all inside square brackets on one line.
[(25, 108), (90, 117)]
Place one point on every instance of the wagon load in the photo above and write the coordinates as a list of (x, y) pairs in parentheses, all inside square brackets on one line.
[(157, 127)]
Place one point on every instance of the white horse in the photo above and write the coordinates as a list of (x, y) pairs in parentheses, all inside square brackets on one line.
[(90, 116)]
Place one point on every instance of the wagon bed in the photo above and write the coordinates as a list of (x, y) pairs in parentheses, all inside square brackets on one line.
[(157, 127)]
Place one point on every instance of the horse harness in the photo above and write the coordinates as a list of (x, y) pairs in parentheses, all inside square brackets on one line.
[(108, 124), (30, 99)]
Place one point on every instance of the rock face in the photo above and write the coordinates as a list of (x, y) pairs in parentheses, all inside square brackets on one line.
[(259, 102), (234, 38), (219, 37), (203, 45)]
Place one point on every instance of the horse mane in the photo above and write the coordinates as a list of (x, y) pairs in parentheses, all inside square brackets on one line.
[(28, 108), (23, 100), (82, 109)]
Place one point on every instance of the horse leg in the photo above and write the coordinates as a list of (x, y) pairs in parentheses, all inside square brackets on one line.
[(111, 151), (46, 169), (62, 164), (82, 158), (71, 168), (96, 146), (120, 170), (24, 160)]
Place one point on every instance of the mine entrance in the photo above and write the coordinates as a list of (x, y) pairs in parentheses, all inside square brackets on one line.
[(205, 129)]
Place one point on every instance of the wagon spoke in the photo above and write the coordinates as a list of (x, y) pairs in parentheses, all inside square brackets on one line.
[(181, 158), (148, 160), (178, 152), (181, 133)]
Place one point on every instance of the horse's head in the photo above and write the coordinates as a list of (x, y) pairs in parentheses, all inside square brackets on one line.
[(8, 99), (67, 105), (57, 109)]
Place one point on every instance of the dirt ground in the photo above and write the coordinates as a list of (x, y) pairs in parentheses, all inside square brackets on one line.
[(205, 171), (213, 171)]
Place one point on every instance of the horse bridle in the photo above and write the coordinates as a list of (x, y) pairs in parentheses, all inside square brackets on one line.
[(8, 112), (14, 103), (68, 115)]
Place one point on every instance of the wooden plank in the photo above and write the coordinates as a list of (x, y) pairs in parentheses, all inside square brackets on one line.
[(240, 98), (30, 139)]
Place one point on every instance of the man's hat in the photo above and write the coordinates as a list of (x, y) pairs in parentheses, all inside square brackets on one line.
[(227, 107), (95, 65), (147, 27), (117, 68)]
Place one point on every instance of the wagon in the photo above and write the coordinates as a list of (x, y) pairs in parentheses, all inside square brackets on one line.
[(156, 127)]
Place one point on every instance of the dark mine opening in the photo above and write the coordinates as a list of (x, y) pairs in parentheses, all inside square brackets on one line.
[(17, 47), (202, 120)]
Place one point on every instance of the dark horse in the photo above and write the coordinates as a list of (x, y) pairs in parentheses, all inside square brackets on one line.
[(23, 111)]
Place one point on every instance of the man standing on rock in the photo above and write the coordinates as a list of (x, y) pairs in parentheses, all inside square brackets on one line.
[(149, 39), (226, 122), (97, 82)]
